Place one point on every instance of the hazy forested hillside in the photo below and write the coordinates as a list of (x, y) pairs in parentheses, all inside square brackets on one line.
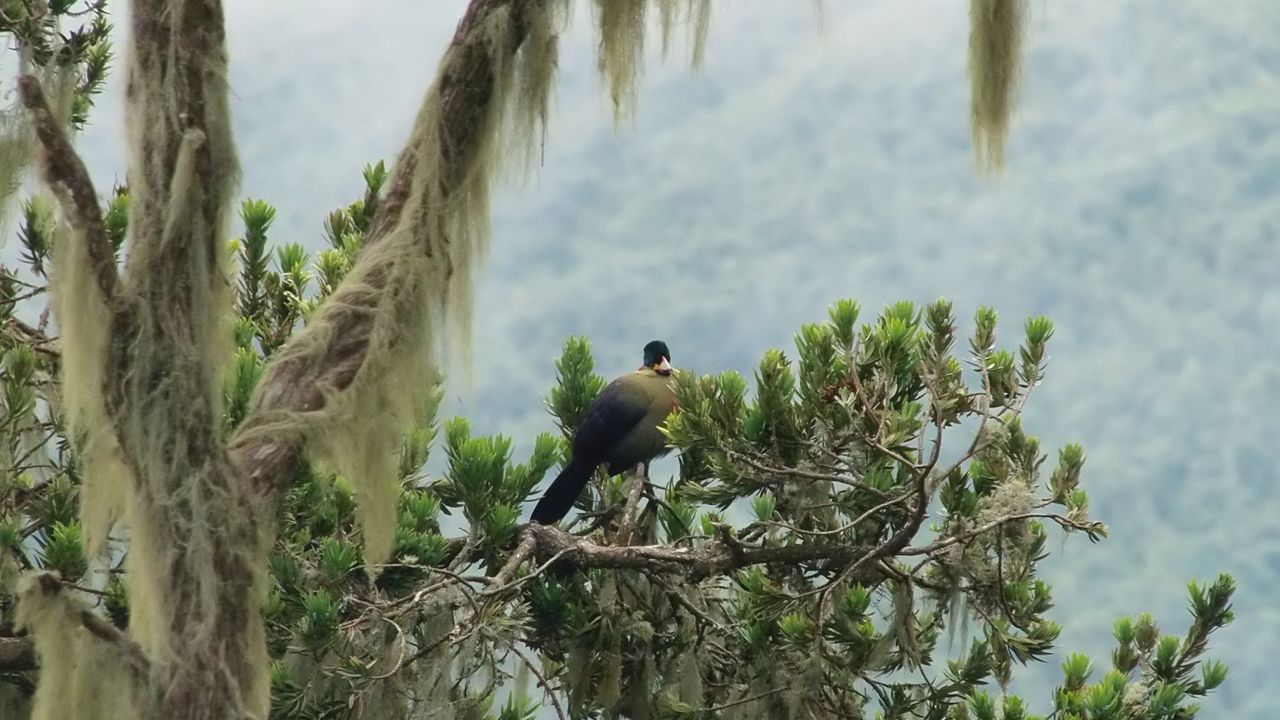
[(1140, 210)]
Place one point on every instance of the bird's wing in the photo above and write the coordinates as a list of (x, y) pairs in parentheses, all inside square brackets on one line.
[(615, 411)]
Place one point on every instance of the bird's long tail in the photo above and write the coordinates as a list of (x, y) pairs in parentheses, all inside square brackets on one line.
[(558, 499)]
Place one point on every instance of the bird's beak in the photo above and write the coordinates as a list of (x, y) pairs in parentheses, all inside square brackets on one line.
[(664, 367)]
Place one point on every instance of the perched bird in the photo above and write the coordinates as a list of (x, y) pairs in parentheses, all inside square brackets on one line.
[(620, 428)]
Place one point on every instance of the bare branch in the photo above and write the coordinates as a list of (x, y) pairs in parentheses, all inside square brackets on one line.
[(812, 474), (1063, 521), (17, 654), (635, 485), (745, 700), (542, 681), (523, 550), (697, 563), (69, 178)]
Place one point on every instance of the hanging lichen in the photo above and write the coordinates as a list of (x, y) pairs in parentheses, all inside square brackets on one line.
[(85, 332), (18, 140), (700, 12), (537, 64), (622, 27), (413, 286), (995, 48), (80, 675), (17, 145)]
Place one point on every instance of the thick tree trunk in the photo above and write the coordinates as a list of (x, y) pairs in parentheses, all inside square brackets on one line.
[(207, 516)]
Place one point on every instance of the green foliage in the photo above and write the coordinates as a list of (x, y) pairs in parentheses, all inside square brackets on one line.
[(834, 448), (68, 40), (35, 231), (63, 551), (577, 385), (115, 217), (828, 460)]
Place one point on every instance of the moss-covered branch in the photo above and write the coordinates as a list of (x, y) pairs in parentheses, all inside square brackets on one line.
[(454, 126), (66, 174)]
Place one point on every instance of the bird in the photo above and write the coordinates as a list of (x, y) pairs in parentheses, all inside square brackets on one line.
[(620, 429)]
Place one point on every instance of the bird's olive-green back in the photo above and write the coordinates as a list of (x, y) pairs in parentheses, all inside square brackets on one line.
[(621, 426)]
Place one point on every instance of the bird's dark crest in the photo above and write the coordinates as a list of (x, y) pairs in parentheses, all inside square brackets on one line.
[(654, 352)]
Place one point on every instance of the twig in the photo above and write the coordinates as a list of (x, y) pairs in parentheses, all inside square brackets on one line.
[(526, 578), (745, 700), (542, 681), (35, 339), (979, 442), (598, 520), (937, 438), (674, 593), (399, 659), (855, 522), (27, 295), (1065, 522), (451, 578), (1008, 611), (33, 450), (523, 551), (696, 562), (463, 556)]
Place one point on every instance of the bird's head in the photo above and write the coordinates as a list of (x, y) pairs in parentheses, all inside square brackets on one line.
[(657, 357)]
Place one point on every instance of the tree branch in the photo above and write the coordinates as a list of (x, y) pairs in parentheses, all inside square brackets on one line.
[(635, 485), (522, 551), (67, 176), (1066, 523), (17, 654), (697, 563)]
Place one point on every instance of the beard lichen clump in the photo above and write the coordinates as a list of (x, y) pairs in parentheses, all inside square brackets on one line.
[(995, 48), (413, 283), (84, 324), (623, 26), (17, 137), (17, 145), (81, 676)]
